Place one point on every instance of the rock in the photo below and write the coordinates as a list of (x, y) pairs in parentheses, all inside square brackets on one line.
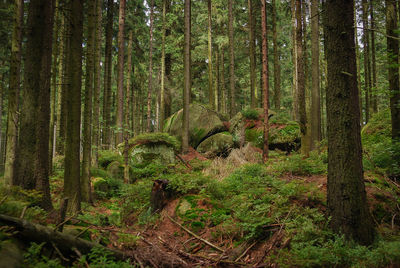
[(217, 145), (115, 170), (147, 153), (10, 254), (203, 123)]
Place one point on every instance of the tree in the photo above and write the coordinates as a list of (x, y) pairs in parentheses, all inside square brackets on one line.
[(211, 93), (127, 106), (374, 99), (33, 148), (295, 64), (187, 78), (88, 102), (347, 203), (393, 72), (252, 54), (120, 80), (367, 70), (73, 96), (265, 77), (232, 108), (162, 89), (13, 93), (277, 67), (315, 91), (149, 92)]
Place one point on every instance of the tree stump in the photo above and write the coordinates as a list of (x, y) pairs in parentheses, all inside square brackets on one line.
[(160, 195)]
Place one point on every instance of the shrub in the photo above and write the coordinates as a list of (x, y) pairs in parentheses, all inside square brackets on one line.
[(108, 156), (250, 114)]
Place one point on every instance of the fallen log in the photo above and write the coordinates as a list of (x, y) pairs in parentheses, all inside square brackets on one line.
[(66, 243)]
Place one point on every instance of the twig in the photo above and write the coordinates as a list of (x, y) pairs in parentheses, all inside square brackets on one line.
[(80, 256), (183, 161), (82, 232), (216, 260), (195, 235), (59, 252), (23, 212), (394, 216), (4, 199), (138, 261), (61, 224), (244, 252)]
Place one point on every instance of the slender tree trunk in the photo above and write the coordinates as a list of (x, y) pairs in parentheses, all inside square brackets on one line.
[(167, 89), (149, 93), (97, 81), (33, 149), (1, 115), (367, 76), (232, 106), (301, 80), (252, 55), (265, 77), (277, 67), (225, 94), (162, 89), (347, 204), (13, 94), (120, 82), (127, 108), (107, 95), (53, 93), (374, 98), (187, 78), (87, 117), (393, 58), (358, 64), (211, 95), (62, 84), (72, 142), (315, 92), (218, 81), (296, 115)]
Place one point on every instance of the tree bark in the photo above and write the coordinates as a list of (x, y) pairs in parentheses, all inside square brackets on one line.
[(187, 78), (72, 142), (347, 204), (232, 106), (367, 75), (211, 93), (88, 102), (393, 58), (162, 89), (252, 55), (149, 93), (225, 94), (13, 94), (374, 98), (315, 94), (127, 108), (120, 81), (277, 67), (265, 77), (358, 65), (295, 65)]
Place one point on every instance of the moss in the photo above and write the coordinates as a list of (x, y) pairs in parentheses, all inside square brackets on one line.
[(152, 139), (216, 145), (108, 156), (115, 170)]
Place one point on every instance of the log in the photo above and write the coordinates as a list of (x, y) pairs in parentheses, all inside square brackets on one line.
[(28, 231)]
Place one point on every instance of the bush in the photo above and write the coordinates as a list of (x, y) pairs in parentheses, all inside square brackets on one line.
[(108, 156), (250, 114), (294, 164)]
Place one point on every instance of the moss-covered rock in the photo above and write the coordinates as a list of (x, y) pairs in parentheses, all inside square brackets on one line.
[(108, 156), (147, 153), (203, 123), (151, 139), (217, 145), (115, 170)]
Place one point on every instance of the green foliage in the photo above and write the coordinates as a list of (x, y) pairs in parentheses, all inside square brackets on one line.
[(187, 183), (295, 165), (101, 258), (34, 258), (155, 138), (136, 199), (250, 114), (107, 187), (108, 156), (151, 170)]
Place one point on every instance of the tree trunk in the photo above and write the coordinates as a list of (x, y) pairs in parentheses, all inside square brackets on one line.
[(374, 98), (367, 75), (120, 82), (88, 102), (107, 94), (211, 95), (61, 88), (252, 55), (265, 77), (72, 141), (187, 78), (358, 65), (225, 100), (347, 204), (232, 106), (295, 65), (33, 149), (162, 89), (218, 81), (301, 81), (277, 67), (315, 93), (96, 83), (168, 101), (393, 57), (149, 97), (13, 94), (127, 108)]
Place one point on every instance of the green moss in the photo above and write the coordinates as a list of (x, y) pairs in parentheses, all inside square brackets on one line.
[(108, 156), (250, 114), (157, 138)]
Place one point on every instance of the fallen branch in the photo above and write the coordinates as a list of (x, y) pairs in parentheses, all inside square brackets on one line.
[(195, 235), (244, 252), (183, 161)]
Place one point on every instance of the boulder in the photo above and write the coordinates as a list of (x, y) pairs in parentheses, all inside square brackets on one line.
[(219, 144), (203, 123), (147, 153), (115, 170)]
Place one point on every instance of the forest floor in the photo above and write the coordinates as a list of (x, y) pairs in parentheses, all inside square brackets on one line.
[(225, 212)]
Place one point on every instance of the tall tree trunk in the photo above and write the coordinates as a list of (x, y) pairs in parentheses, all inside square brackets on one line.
[(61, 88), (393, 58), (72, 141), (187, 78), (149, 93), (358, 64), (232, 105), (301, 80), (107, 94), (96, 83), (167, 89), (347, 204), (225, 94), (295, 90), (315, 92), (127, 108), (252, 55), (13, 94), (374, 98), (211, 93), (162, 89), (277, 67), (218, 81), (1, 115), (53, 93), (120, 82), (367, 75), (265, 77), (88, 102), (33, 148)]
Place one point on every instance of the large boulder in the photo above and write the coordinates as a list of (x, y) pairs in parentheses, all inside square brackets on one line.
[(219, 144), (203, 123)]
